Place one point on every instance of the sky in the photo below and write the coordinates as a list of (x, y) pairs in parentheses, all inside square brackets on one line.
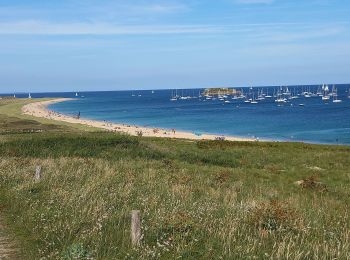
[(91, 45)]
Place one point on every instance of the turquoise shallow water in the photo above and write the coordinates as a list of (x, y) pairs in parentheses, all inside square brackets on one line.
[(316, 121)]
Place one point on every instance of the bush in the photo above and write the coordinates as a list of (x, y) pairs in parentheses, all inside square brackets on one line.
[(76, 251), (273, 215)]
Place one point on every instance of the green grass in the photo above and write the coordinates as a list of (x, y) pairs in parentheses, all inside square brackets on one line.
[(12, 119), (198, 200)]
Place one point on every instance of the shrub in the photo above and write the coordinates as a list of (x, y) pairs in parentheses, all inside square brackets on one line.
[(313, 183), (273, 215), (76, 251)]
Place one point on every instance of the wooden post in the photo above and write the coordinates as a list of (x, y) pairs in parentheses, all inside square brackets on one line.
[(37, 175), (135, 228)]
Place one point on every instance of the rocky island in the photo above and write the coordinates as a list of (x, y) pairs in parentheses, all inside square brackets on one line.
[(220, 91)]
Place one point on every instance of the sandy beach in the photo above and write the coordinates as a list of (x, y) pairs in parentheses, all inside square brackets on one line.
[(40, 109)]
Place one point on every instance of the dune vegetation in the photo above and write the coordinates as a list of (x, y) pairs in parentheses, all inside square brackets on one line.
[(198, 199)]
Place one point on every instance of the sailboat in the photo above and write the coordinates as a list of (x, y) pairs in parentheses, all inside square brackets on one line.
[(76, 94), (261, 95), (325, 91), (307, 94), (335, 95), (29, 96), (173, 97), (280, 98), (183, 97), (314, 94), (220, 96), (267, 94), (287, 92), (247, 99), (241, 95), (274, 93), (253, 101), (208, 97), (293, 95)]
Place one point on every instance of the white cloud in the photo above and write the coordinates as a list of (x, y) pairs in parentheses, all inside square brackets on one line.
[(262, 32), (254, 1), (46, 28), (159, 8), (304, 35), (94, 10)]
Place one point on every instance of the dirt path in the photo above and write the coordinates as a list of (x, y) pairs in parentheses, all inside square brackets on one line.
[(8, 249)]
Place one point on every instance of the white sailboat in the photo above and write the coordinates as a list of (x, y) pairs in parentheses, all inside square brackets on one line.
[(335, 95), (293, 96), (241, 95), (261, 95), (307, 95), (247, 97), (183, 95), (267, 94), (307, 92), (325, 95), (29, 95), (253, 101), (280, 98), (274, 93), (173, 97), (287, 92), (314, 94)]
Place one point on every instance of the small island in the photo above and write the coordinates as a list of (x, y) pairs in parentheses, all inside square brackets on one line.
[(220, 91)]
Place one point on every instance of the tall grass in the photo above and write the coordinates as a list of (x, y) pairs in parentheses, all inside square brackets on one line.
[(198, 200)]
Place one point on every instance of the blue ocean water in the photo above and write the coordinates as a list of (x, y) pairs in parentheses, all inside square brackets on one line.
[(307, 119)]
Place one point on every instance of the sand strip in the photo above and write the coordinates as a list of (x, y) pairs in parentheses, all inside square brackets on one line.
[(40, 109)]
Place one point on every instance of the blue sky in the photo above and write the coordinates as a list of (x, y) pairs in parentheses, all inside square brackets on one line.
[(74, 45)]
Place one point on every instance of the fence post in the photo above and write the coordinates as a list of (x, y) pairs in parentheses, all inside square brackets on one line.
[(135, 228), (37, 175)]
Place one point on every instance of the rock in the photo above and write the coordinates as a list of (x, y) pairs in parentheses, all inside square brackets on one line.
[(300, 183), (315, 168)]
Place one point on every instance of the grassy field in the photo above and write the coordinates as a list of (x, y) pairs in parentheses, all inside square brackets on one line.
[(198, 200), (12, 119)]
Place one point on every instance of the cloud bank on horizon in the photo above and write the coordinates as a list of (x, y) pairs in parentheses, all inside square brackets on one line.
[(109, 45)]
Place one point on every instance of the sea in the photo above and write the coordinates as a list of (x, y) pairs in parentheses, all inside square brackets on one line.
[(303, 118)]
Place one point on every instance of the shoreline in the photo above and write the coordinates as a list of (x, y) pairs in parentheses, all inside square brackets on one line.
[(40, 109)]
